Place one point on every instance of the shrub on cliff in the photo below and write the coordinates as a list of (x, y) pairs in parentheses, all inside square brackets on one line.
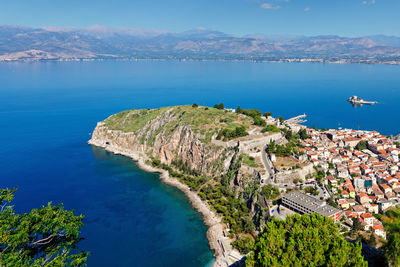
[(234, 133), (267, 114), (47, 236), (254, 113), (307, 240)]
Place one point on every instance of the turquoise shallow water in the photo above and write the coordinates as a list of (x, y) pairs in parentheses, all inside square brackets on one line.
[(47, 111)]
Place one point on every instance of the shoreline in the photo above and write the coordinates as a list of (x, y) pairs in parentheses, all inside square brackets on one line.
[(215, 228), (294, 60)]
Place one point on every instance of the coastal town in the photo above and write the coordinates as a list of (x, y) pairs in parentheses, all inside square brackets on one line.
[(361, 177), (241, 168)]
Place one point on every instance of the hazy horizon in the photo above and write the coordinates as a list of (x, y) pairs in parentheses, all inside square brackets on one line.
[(133, 29), (352, 18)]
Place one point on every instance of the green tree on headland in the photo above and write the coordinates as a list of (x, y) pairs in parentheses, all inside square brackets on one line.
[(43, 237), (307, 240), (267, 114), (195, 105), (234, 133), (219, 106), (254, 113)]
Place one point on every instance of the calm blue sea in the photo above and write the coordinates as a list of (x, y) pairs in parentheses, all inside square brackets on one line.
[(48, 110)]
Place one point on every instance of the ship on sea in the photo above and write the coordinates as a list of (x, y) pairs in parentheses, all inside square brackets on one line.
[(355, 100)]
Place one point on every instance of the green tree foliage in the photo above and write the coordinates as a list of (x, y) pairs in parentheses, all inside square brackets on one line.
[(288, 134), (303, 134), (233, 169), (392, 248), (267, 114), (311, 190), (254, 113), (333, 204), (357, 226), (281, 119), (234, 133), (280, 150), (259, 121), (244, 244), (219, 106), (184, 167), (319, 176), (270, 191), (270, 128), (297, 181), (249, 161), (195, 105), (43, 237), (392, 226), (361, 145), (307, 240)]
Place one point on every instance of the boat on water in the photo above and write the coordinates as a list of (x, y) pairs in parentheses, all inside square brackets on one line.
[(355, 100)]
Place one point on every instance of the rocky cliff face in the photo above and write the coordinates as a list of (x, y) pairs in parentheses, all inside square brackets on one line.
[(157, 140)]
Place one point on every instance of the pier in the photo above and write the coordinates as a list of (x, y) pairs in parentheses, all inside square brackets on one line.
[(297, 120)]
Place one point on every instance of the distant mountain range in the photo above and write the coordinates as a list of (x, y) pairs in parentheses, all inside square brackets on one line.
[(98, 42)]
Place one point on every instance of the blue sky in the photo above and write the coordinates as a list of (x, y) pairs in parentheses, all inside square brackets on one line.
[(299, 17)]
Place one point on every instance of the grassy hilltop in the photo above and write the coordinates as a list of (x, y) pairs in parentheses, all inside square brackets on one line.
[(203, 120)]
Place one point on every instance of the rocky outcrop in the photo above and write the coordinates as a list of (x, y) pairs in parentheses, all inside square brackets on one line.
[(168, 137), (167, 142)]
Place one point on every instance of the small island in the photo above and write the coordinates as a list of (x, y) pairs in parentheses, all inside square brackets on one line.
[(355, 100), (250, 175)]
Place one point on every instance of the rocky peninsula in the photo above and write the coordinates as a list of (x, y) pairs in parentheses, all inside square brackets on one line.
[(179, 143), (217, 157)]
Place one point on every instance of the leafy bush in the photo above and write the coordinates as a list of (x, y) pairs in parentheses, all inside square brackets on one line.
[(230, 134), (270, 128), (311, 190), (280, 150), (249, 161), (254, 113), (303, 134), (270, 192), (244, 244)]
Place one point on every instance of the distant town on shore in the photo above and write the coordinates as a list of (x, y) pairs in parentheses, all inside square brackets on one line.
[(102, 43)]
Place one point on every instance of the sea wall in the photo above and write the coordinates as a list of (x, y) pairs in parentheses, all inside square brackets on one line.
[(246, 146)]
